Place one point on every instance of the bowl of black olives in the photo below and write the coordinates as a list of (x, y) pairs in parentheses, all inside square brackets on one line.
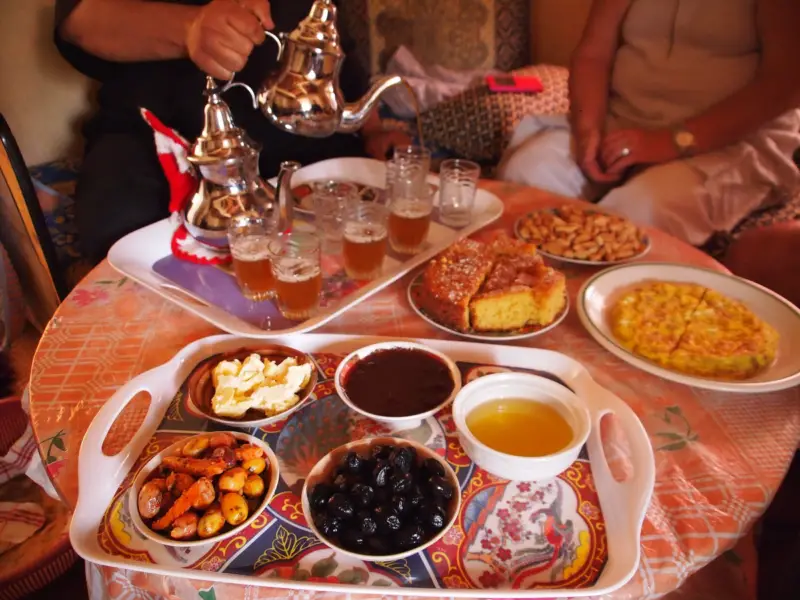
[(381, 498)]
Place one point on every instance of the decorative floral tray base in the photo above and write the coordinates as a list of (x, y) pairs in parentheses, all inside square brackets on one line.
[(517, 539)]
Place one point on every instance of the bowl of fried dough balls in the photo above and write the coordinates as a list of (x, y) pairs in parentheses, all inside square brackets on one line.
[(203, 489)]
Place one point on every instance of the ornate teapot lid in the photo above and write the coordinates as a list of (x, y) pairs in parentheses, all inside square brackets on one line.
[(319, 29), (221, 140)]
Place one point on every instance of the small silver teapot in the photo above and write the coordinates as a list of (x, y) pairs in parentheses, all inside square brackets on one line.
[(303, 95), (227, 161)]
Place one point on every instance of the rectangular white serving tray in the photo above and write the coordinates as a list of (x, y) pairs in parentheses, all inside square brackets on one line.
[(135, 254), (624, 504)]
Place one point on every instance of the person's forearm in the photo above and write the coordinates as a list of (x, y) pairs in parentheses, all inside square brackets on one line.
[(588, 92), (129, 30), (743, 113)]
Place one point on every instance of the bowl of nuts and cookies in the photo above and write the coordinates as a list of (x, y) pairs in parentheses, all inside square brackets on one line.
[(583, 236)]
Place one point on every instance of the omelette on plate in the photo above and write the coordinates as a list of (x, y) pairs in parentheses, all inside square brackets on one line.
[(692, 329)]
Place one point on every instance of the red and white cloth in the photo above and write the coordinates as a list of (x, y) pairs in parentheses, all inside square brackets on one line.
[(172, 150), (18, 522)]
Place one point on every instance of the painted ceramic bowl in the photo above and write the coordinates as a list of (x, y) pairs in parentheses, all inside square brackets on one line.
[(325, 473), (270, 477), (383, 387), (201, 385), (523, 386)]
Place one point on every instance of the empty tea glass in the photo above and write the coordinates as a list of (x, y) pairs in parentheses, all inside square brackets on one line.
[(415, 160), (458, 181), (297, 272), (364, 245), (331, 201), (248, 238)]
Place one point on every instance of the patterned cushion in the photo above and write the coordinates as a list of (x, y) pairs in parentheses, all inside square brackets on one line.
[(464, 35), (55, 189), (478, 124)]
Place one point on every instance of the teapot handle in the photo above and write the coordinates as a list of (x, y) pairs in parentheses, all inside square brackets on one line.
[(278, 39), (231, 84)]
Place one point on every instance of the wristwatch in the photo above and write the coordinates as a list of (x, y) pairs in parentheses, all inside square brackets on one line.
[(684, 141)]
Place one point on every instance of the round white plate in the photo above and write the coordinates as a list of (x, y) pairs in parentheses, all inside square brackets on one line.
[(648, 245), (500, 336), (600, 291), (366, 192)]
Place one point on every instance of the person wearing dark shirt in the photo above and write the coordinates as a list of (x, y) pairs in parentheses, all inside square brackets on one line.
[(155, 55)]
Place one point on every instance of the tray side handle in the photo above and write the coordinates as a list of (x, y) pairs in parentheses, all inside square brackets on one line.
[(99, 475), (624, 503)]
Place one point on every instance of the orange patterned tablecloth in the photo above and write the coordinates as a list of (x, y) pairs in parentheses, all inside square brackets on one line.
[(719, 457)]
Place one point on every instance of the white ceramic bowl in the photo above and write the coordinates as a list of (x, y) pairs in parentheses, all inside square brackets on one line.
[(395, 423), (323, 472), (526, 387), (270, 484)]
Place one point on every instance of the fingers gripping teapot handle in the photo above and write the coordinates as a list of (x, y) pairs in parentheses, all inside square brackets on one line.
[(278, 38)]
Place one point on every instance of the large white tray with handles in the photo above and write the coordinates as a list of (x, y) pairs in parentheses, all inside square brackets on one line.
[(623, 504)]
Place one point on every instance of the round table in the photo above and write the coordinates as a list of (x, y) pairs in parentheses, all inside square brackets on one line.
[(719, 457)]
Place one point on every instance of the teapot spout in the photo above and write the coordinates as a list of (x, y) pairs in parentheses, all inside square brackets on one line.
[(284, 197), (355, 113)]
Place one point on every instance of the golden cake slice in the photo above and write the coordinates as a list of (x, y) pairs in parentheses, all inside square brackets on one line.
[(650, 319), (520, 291), (724, 339), (451, 280), (500, 286)]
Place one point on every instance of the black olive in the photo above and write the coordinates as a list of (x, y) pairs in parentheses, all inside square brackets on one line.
[(410, 536), (378, 545), (353, 539), (319, 519), (365, 522), (362, 494), (340, 506), (353, 462), (402, 459), (381, 474), (331, 526), (432, 468), (441, 487), (435, 520), (416, 495), (341, 482), (382, 496), (386, 519), (401, 483), (431, 516), (381, 452), (400, 504), (320, 495), (368, 466)]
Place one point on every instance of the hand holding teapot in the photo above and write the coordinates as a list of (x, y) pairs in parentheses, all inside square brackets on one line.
[(223, 34)]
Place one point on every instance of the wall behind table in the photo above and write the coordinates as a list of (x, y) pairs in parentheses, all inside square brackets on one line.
[(42, 97), (556, 27)]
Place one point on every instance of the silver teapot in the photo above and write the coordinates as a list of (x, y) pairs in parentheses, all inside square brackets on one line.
[(303, 95), (227, 161)]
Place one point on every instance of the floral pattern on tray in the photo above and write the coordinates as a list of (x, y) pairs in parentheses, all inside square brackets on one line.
[(516, 535)]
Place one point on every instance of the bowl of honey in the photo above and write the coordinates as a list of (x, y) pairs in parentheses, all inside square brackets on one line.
[(520, 426)]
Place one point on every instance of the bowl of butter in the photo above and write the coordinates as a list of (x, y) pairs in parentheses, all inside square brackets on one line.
[(252, 387)]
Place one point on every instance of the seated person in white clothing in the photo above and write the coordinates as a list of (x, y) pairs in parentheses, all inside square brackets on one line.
[(684, 114)]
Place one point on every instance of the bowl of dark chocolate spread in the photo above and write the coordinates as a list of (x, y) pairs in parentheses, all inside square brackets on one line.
[(397, 383)]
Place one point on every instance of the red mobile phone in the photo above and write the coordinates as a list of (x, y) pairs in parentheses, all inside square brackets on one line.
[(526, 84)]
